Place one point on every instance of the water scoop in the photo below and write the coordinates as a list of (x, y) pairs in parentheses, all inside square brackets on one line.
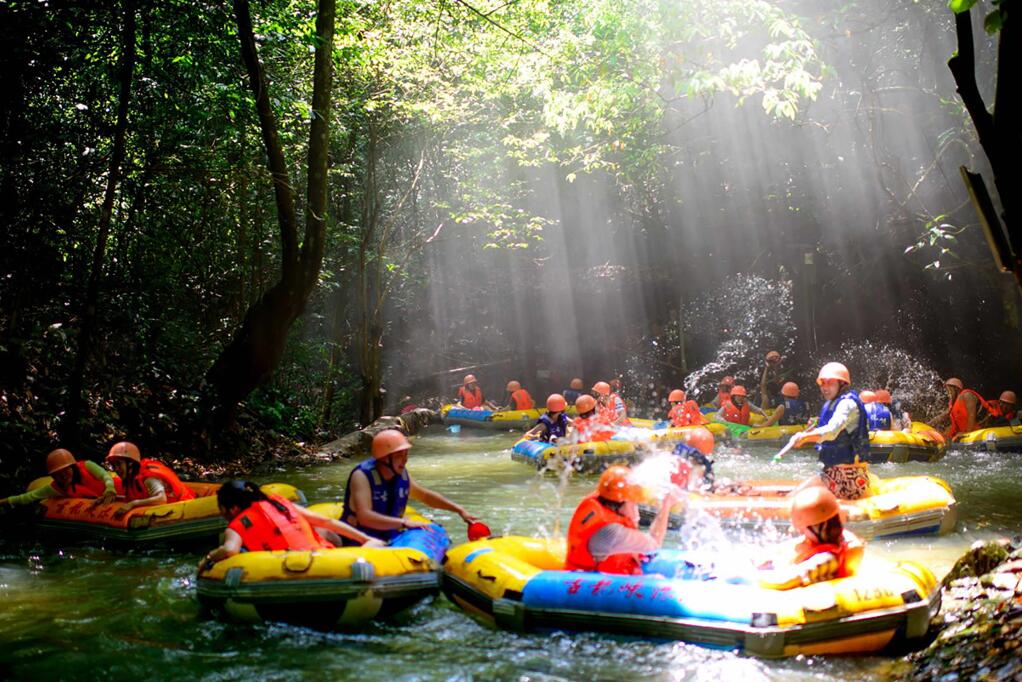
[(783, 451), (477, 530)]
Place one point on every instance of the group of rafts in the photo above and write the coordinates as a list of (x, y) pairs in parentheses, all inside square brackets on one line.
[(519, 583)]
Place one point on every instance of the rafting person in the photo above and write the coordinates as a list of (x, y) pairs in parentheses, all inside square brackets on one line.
[(71, 478), (824, 552), (611, 408), (683, 412), (553, 424), (603, 534), (966, 408), (518, 397), (878, 416), (842, 436), (573, 391), (693, 468), (146, 481), (1005, 410), (737, 409), (470, 396), (378, 490), (723, 391), (257, 522), (772, 380), (900, 420), (588, 426)]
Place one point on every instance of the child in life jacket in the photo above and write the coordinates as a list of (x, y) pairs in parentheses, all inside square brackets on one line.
[(588, 427), (553, 424), (824, 552)]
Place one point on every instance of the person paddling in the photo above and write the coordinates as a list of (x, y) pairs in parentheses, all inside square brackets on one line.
[(71, 478), (378, 490)]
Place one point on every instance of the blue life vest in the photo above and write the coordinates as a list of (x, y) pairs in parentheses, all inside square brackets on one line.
[(554, 428), (389, 498), (571, 395), (689, 452), (878, 417), (796, 412), (847, 446)]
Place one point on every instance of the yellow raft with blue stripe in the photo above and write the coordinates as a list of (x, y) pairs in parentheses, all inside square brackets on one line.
[(195, 519), (997, 439), (328, 588), (922, 444), (518, 583)]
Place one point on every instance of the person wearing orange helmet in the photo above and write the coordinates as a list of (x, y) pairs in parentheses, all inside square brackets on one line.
[(967, 410), (723, 391), (553, 424), (683, 412), (378, 489), (772, 379), (1005, 410), (573, 391), (693, 468), (612, 408), (878, 415), (71, 478), (146, 481), (824, 552), (518, 397), (470, 396), (588, 426), (841, 437), (603, 534), (736, 408)]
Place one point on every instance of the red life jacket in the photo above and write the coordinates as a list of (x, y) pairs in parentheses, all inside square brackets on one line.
[(149, 468), (736, 415), (848, 553), (960, 413), (590, 517), (521, 400), (87, 485), (264, 528), (685, 414), (470, 399)]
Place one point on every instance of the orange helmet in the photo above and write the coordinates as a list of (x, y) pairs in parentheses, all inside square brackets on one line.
[(739, 390), (616, 484), (125, 450), (676, 396), (602, 387), (956, 382), (576, 384), (555, 402), (833, 370), (584, 403), (727, 381), (469, 379), (883, 396), (59, 459), (700, 438), (1008, 397), (790, 389), (867, 396), (773, 356), (514, 386), (812, 506), (389, 441)]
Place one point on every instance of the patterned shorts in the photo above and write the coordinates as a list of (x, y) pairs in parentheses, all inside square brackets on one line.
[(847, 481)]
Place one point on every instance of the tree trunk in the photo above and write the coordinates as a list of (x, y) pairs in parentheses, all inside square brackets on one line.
[(71, 431), (258, 345)]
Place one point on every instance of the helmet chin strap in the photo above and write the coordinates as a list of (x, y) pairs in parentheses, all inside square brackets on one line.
[(388, 462)]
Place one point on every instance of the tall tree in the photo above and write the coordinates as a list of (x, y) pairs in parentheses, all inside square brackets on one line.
[(256, 349)]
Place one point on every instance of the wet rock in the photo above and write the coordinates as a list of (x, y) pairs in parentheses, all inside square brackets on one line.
[(358, 443), (981, 558)]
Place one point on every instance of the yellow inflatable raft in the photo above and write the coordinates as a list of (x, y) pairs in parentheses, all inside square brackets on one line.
[(518, 583), (922, 444), (902, 506), (328, 588), (175, 522), (998, 439)]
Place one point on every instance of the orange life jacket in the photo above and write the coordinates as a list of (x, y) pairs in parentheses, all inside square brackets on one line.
[(620, 409), (470, 399), (685, 414), (960, 413), (735, 414), (149, 468), (87, 485), (521, 400), (264, 528), (590, 517), (848, 553), (592, 429)]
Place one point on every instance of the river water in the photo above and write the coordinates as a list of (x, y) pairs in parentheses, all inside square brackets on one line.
[(79, 613)]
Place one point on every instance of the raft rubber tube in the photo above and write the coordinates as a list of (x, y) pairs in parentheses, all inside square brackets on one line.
[(922, 444), (328, 588), (194, 519), (896, 507), (512, 420), (997, 439), (518, 583)]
